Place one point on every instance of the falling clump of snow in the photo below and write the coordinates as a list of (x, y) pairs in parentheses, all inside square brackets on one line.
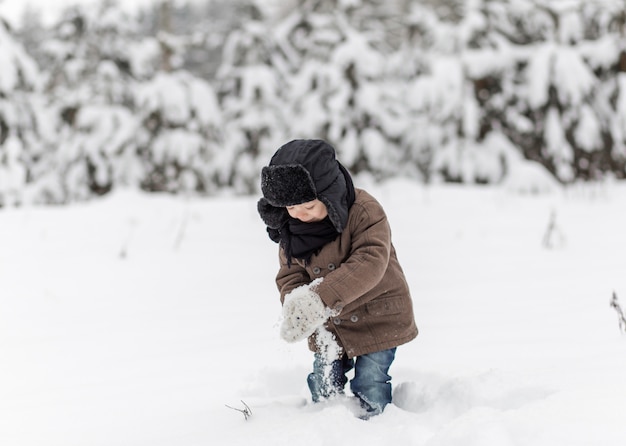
[(327, 344)]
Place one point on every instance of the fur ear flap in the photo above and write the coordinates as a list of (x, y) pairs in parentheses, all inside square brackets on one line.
[(274, 217)]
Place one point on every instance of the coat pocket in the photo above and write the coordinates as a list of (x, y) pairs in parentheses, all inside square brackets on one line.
[(384, 307)]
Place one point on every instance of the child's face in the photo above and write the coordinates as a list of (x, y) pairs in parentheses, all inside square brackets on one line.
[(308, 212)]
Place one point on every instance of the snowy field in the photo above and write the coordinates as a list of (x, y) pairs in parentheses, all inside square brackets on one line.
[(135, 319)]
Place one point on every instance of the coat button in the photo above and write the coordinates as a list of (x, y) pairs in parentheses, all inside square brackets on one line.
[(354, 318), (337, 321), (317, 270), (331, 266)]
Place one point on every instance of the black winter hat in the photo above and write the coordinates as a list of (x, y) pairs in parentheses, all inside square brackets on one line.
[(301, 171)]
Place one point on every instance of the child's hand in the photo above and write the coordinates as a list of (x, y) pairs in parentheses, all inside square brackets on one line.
[(303, 313)]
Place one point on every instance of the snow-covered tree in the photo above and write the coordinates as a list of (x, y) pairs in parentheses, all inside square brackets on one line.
[(563, 95), (91, 74), (24, 128), (467, 91), (338, 87), (441, 61), (545, 75), (251, 83), (179, 139)]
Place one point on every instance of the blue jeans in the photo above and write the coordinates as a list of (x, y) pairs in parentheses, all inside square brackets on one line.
[(371, 383)]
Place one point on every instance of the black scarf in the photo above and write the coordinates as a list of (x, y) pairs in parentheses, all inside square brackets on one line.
[(301, 240)]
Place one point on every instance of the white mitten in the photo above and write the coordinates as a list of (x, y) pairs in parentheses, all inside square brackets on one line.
[(303, 312)]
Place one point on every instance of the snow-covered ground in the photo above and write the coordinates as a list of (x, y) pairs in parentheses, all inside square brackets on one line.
[(134, 320)]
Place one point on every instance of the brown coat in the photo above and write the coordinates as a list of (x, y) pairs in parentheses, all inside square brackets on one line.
[(363, 283)]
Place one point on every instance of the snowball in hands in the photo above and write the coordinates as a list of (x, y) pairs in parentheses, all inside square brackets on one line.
[(303, 313)]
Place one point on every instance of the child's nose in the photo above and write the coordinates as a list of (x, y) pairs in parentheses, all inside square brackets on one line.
[(295, 212)]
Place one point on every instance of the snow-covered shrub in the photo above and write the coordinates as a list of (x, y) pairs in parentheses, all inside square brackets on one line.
[(252, 94), (98, 152), (89, 81), (23, 121), (179, 136)]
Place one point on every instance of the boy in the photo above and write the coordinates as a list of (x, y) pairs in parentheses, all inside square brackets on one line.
[(339, 278)]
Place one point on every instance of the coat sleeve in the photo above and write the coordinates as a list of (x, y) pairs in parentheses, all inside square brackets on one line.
[(291, 277), (367, 263)]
